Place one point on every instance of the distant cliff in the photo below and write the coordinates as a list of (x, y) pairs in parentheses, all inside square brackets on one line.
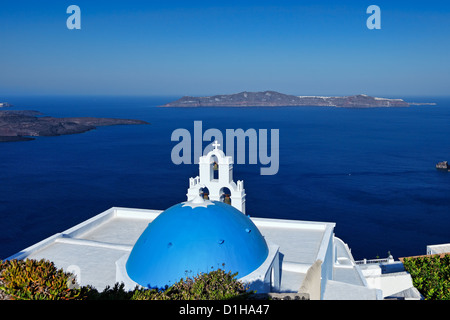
[(25, 124), (276, 99)]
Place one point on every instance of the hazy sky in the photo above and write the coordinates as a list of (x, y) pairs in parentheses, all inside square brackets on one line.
[(213, 47)]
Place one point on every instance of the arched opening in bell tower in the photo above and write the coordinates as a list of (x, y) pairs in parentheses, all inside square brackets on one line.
[(214, 167), (225, 195), (204, 193)]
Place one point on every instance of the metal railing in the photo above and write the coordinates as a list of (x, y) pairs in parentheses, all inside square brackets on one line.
[(373, 261)]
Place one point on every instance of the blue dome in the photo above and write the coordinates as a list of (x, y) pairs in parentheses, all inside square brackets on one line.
[(188, 239)]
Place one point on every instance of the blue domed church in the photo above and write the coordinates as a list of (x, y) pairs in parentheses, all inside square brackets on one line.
[(209, 231), (205, 233)]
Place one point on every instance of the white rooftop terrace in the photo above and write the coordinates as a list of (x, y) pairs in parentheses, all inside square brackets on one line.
[(92, 249), (438, 248)]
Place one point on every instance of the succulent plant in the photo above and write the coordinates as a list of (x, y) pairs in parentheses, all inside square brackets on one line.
[(36, 280)]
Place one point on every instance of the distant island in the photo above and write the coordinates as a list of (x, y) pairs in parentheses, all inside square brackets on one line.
[(276, 99), (23, 125)]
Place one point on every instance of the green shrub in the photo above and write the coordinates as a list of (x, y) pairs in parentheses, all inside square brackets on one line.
[(41, 280), (215, 285), (37, 280), (117, 292), (430, 275)]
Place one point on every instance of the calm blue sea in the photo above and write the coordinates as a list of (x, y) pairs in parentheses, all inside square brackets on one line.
[(371, 171)]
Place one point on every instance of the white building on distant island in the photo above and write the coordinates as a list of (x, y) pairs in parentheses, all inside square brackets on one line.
[(209, 231)]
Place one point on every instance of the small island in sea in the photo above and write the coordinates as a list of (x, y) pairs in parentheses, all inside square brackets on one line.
[(22, 125), (276, 99)]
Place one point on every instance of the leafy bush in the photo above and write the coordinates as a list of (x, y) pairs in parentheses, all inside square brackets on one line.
[(117, 292), (215, 285), (430, 275), (37, 280), (41, 280)]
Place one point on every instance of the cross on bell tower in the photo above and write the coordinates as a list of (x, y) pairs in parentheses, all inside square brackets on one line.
[(216, 145), (222, 188)]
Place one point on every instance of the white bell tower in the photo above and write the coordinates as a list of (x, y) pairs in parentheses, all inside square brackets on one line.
[(215, 181)]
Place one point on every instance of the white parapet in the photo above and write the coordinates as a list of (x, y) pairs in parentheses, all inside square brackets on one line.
[(438, 248)]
